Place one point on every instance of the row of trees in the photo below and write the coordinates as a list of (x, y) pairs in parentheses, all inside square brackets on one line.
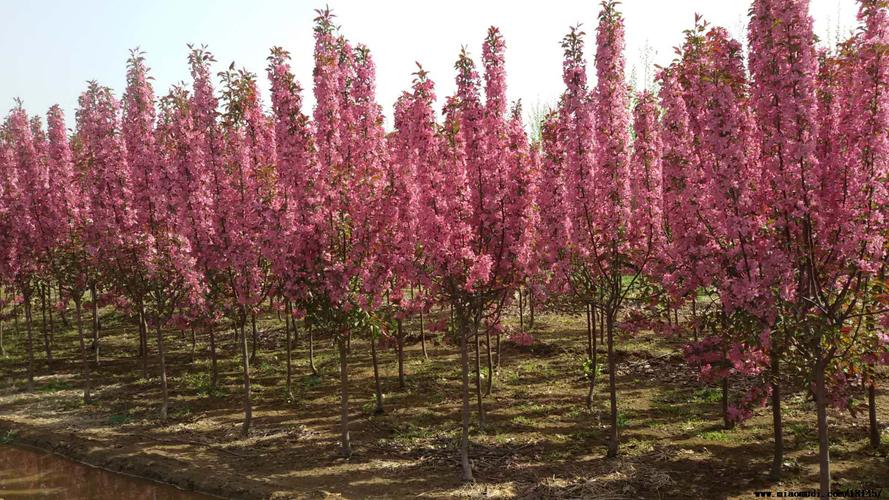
[(749, 193)]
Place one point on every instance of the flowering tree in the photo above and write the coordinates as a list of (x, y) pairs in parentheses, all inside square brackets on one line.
[(825, 212), (614, 251), (474, 225), (71, 262)]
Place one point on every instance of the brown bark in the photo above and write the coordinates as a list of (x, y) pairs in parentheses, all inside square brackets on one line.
[(400, 347), (28, 327), (163, 367), (95, 308), (873, 427), (423, 337), (478, 378), (84, 358), (46, 342), (464, 373), (490, 361), (214, 372), (345, 440), (614, 438), (143, 340), (777, 426), (255, 337), (245, 361), (289, 345), (823, 441), (378, 409), (312, 351)]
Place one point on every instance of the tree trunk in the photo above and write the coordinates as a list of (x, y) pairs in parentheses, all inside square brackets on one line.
[(591, 348), (52, 324), (602, 327), (62, 312), (530, 309), (289, 345), (490, 362), (400, 346), (823, 442), (95, 307), (345, 441), (312, 351), (726, 423), (378, 409), (423, 337), (478, 378), (497, 361), (28, 327), (46, 343), (521, 312), (161, 356), (614, 439), (143, 339), (193, 344), (874, 426), (464, 372), (2, 346), (214, 375), (84, 358), (255, 337), (245, 360), (777, 426)]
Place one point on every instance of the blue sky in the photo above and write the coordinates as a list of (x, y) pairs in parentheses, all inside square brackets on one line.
[(51, 48)]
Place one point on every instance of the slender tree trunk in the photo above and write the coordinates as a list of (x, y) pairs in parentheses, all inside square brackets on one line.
[(62, 312), (614, 439), (84, 358), (2, 346), (694, 314), (312, 351), (676, 320), (726, 423), (497, 363), (289, 345), (52, 324), (602, 326), (193, 344), (521, 312), (345, 441), (423, 337), (161, 356), (400, 345), (591, 348), (464, 372), (530, 309), (490, 362), (823, 442), (378, 409), (874, 426), (255, 337), (214, 375), (478, 378), (28, 327), (245, 361), (95, 307), (46, 342), (777, 426), (143, 339)]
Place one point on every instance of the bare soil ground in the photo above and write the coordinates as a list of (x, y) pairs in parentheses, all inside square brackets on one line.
[(540, 440)]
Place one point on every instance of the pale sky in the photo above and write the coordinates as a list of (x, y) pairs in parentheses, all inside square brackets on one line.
[(49, 49)]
